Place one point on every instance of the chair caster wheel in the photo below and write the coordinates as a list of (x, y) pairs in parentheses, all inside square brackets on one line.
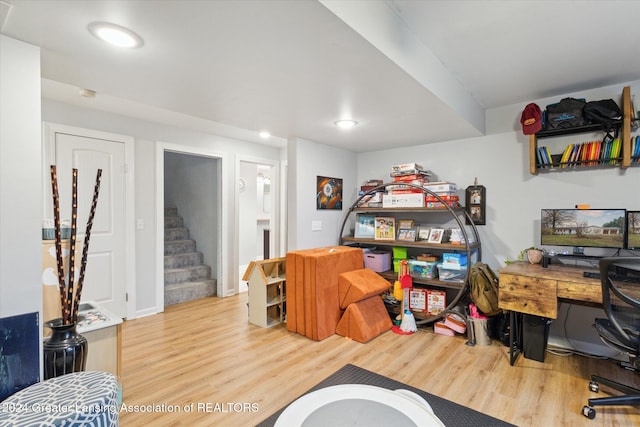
[(594, 387), (589, 412)]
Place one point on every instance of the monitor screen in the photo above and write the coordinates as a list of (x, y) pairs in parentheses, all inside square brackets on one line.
[(633, 230), (596, 228)]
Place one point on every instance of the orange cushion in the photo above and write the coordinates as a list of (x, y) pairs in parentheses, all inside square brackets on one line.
[(364, 320), (354, 286), (313, 309)]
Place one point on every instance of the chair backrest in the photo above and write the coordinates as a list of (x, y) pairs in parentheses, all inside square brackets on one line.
[(620, 279)]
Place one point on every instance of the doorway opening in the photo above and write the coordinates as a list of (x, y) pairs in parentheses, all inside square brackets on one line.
[(189, 224), (257, 229)]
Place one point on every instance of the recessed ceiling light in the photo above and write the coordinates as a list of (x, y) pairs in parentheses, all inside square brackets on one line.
[(115, 34), (264, 134), (346, 124)]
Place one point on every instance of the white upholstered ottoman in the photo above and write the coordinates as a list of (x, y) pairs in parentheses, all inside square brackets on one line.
[(76, 399)]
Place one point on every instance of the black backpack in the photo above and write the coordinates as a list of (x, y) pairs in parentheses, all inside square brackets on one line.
[(604, 112), (566, 114)]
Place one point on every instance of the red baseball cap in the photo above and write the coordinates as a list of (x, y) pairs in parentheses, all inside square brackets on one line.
[(531, 119)]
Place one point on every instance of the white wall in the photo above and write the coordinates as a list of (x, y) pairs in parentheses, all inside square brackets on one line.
[(20, 179), (306, 161), (500, 161), (248, 215), (20, 185), (146, 135)]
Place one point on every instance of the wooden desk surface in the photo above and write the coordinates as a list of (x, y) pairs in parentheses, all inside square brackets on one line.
[(529, 288)]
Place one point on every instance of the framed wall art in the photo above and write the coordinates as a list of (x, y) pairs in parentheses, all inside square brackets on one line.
[(329, 193), (475, 203)]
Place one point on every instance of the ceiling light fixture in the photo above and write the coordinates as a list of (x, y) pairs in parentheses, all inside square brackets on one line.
[(115, 34), (88, 93), (264, 134), (346, 124)]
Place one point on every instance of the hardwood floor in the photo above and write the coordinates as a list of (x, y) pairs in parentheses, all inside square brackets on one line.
[(202, 364)]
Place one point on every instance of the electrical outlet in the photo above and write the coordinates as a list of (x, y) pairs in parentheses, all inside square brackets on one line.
[(139, 224), (316, 225)]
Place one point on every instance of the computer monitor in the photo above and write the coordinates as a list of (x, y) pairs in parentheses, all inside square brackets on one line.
[(633, 230), (580, 228)]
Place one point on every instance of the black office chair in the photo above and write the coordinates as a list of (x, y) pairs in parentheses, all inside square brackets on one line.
[(620, 278)]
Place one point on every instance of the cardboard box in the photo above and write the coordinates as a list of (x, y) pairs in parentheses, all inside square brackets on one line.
[(378, 261), (454, 258), (406, 167), (410, 200), (441, 187), (441, 205)]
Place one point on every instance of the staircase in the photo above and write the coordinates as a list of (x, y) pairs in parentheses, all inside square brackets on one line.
[(185, 276)]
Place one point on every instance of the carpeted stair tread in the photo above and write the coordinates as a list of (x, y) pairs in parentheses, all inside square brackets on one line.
[(171, 234), (187, 291), (186, 277), (181, 260), (174, 247), (173, 222), (186, 274)]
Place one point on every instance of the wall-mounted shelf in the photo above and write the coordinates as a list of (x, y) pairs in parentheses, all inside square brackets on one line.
[(623, 126)]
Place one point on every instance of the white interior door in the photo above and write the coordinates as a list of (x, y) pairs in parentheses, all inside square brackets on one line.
[(105, 274)]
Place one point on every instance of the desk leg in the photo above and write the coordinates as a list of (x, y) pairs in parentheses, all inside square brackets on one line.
[(515, 336)]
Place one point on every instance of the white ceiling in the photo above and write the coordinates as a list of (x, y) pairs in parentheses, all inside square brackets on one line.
[(410, 72)]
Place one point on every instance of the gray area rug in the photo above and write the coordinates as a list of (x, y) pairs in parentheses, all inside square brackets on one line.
[(450, 413)]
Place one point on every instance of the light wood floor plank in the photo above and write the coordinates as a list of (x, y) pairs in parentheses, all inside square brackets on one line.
[(205, 353)]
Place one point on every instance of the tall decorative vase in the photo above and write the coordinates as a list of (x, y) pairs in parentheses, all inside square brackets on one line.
[(65, 351)]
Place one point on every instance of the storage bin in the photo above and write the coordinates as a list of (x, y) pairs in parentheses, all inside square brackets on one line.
[(378, 261), (451, 275), (424, 269), (399, 252)]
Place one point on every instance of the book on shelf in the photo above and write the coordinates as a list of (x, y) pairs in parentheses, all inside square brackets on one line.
[(590, 153), (436, 301), (564, 160), (635, 149), (418, 299)]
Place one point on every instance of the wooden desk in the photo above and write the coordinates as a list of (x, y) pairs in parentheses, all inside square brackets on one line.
[(526, 288)]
